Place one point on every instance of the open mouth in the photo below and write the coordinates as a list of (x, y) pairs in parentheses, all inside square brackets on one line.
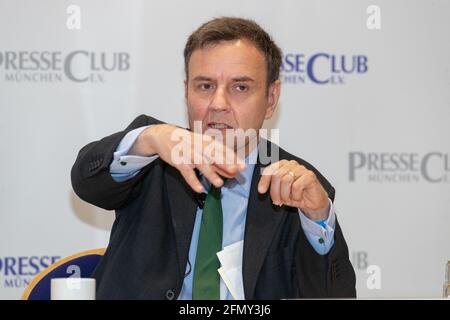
[(219, 126)]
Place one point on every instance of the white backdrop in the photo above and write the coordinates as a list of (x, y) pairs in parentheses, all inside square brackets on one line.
[(395, 214)]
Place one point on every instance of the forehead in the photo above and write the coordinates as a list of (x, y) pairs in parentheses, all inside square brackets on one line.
[(227, 59)]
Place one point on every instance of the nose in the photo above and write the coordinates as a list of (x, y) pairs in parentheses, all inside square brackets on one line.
[(219, 100)]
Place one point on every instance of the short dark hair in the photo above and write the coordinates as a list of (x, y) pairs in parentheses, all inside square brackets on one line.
[(228, 29)]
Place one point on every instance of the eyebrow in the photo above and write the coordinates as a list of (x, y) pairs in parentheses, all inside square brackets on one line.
[(202, 78), (243, 79), (236, 79)]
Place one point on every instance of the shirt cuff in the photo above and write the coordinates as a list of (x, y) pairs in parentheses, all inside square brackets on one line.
[(320, 234), (124, 167)]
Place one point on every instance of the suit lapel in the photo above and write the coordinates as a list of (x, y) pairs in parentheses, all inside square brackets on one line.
[(263, 220), (183, 207)]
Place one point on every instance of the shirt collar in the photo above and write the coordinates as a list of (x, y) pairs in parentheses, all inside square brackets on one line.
[(243, 180)]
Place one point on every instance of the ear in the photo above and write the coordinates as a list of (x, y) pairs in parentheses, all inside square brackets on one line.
[(272, 98), (185, 88)]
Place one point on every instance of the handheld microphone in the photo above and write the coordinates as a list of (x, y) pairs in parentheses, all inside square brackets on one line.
[(200, 199)]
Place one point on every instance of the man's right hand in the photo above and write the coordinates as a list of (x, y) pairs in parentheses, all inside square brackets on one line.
[(161, 139)]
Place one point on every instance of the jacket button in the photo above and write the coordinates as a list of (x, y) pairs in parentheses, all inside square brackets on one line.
[(170, 295)]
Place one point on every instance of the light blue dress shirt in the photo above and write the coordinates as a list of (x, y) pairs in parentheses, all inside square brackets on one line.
[(235, 195)]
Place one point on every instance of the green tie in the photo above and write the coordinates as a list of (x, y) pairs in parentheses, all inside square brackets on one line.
[(206, 281)]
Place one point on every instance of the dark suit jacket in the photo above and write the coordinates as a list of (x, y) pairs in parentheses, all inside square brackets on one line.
[(155, 211)]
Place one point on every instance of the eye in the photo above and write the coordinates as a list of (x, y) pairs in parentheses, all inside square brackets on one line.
[(205, 86), (241, 88)]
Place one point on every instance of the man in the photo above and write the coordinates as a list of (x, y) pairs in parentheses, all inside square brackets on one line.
[(170, 240)]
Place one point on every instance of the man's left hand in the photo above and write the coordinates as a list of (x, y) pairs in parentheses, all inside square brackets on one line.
[(293, 185)]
